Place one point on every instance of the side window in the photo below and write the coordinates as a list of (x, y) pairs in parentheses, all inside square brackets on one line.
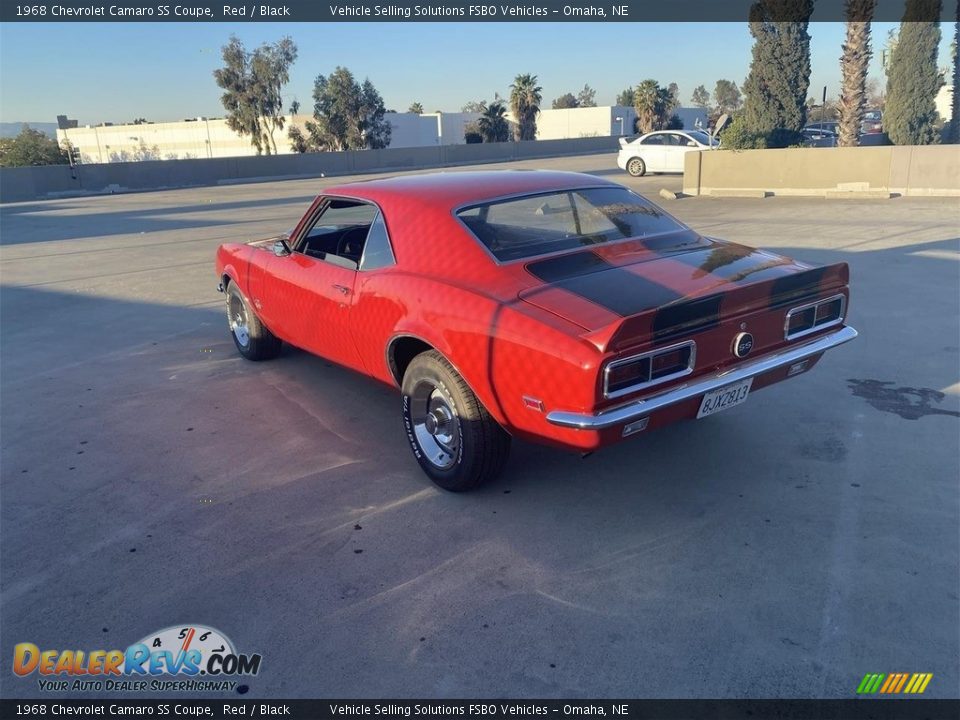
[(339, 233), (377, 253), (653, 140)]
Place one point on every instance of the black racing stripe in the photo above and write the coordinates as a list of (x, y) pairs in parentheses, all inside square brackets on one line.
[(797, 286), (616, 288), (687, 317)]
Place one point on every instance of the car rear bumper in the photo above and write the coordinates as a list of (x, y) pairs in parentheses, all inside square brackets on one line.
[(640, 409)]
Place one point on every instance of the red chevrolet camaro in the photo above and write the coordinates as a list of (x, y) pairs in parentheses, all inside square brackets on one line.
[(557, 307)]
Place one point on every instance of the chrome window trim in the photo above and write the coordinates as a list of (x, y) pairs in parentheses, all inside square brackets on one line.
[(322, 208), (816, 328), (691, 363)]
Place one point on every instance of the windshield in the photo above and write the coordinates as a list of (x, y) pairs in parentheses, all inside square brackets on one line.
[(701, 137), (538, 224)]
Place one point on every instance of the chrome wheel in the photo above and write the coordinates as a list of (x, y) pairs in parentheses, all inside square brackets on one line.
[(237, 316), (435, 425), (636, 167)]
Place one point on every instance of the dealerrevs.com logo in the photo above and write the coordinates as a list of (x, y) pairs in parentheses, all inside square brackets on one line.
[(199, 657)]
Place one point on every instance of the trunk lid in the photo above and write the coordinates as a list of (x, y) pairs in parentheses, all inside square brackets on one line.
[(655, 290)]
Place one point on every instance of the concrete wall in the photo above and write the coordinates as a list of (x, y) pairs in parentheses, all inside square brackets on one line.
[(32, 183), (901, 170)]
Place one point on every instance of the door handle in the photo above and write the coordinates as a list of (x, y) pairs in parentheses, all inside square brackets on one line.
[(342, 288)]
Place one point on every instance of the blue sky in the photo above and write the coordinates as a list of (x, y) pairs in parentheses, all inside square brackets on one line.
[(163, 71)]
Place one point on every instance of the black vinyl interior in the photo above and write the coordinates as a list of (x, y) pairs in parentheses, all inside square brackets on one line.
[(343, 241)]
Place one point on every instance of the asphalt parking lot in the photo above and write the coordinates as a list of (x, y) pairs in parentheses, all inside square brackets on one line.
[(151, 477)]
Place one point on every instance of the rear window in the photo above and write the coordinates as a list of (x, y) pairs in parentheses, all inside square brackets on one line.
[(538, 224)]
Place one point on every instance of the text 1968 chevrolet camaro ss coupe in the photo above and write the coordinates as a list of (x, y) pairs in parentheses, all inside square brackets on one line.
[(557, 307)]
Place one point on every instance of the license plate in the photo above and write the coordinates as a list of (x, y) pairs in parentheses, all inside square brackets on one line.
[(724, 397)]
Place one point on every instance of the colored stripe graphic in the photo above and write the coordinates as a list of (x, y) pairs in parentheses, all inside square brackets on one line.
[(894, 683), (871, 683)]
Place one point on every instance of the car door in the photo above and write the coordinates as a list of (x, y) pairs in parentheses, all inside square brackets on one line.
[(308, 293), (676, 150), (651, 150)]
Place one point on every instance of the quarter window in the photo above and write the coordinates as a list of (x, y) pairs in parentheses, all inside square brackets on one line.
[(377, 252)]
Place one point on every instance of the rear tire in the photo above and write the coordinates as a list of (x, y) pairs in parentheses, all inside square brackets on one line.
[(252, 338), (636, 167), (453, 437)]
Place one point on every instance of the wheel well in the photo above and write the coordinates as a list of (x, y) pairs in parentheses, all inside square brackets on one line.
[(402, 351), (225, 281)]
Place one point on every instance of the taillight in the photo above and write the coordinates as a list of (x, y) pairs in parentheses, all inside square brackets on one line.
[(648, 369), (809, 318)]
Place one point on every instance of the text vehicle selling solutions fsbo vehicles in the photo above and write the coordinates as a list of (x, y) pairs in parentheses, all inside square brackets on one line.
[(557, 307)]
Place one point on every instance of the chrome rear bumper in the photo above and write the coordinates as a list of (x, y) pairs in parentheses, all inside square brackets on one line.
[(642, 408)]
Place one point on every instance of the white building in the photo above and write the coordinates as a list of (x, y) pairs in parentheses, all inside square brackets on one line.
[(944, 102), (211, 138)]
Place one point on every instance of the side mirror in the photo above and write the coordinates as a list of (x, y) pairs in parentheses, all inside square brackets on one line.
[(280, 248)]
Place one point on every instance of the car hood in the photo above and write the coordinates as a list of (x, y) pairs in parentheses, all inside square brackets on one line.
[(267, 243)]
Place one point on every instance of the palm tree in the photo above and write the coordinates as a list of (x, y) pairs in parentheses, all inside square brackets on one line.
[(646, 101), (525, 97), (955, 56), (853, 64), (416, 108), (492, 125)]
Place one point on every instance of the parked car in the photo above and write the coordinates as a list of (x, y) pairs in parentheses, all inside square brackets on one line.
[(872, 122), (661, 150), (556, 307), (829, 126), (819, 137)]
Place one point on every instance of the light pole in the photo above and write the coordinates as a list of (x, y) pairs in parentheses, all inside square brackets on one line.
[(619, 120), (209, 144)]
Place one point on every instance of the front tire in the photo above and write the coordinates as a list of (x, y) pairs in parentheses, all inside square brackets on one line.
[(252, 338), (636, 167), (457, 443)]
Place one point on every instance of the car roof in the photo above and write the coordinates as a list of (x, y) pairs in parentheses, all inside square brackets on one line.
[(453, 189)]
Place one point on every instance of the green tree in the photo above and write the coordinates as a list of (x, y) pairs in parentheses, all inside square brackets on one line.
[(853, 65), (565, 101), (776, 87), (347, 115), (727, 96), (415, 108), (645, 99), (700, 97), (474, 106), (295, 107), (587, 97), (492, 125), (674, 90), (625, 97), (654, 106), (252, 82), (525, 98), (298, 141), (910, 116), (31, 147)]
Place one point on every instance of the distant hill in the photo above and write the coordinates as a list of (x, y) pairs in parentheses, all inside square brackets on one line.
[(12, 129)]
